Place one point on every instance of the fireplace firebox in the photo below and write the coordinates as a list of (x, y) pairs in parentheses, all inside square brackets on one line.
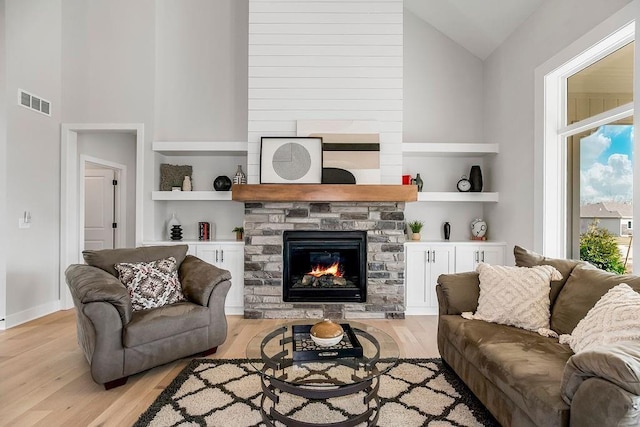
[(324, 266)]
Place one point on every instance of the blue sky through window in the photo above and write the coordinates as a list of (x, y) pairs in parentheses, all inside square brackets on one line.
[(606, 165)]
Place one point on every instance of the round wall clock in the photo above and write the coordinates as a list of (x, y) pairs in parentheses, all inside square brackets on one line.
[(464, 184)]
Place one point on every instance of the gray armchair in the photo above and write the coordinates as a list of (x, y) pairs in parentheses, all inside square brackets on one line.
[(118, 341)]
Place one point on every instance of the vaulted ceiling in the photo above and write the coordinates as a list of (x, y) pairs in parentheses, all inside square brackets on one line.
[(478, 25)]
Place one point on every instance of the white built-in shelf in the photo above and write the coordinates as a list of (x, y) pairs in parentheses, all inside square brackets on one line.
[(449, 149), (455, 196), (201, 148), (191, 195)]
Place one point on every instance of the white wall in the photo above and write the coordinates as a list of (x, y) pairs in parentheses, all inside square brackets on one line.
[(325, 61), (33, 63), (108, 69), (118, 148), (509, 106), (443, 101), (200, 95), (3, 165), (201, 70), (443, 94)]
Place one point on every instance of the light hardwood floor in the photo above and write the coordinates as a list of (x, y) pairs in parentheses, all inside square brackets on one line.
[(45, 380)]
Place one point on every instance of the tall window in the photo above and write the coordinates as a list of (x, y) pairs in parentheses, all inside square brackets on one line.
[(600, 161), (584, 138)]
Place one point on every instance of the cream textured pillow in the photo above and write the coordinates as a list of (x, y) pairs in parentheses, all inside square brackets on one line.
[(517, 296), (151, 284), (614, 318)]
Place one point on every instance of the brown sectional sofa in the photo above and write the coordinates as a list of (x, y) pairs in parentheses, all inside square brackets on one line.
[(525, 379)]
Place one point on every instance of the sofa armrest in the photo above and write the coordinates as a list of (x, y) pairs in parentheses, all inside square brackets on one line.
[(618, 364), (199, 278), (90, 284), (458, 292), (600, 403)]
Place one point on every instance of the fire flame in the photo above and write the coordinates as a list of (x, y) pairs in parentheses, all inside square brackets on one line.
[(333, 269)]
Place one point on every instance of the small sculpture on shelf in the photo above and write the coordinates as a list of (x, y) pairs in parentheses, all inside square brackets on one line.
[(240, 177), (186, 183), (222, 183), (446, 228), (171, 223), (419, 182), (478, 229), (176, 232)]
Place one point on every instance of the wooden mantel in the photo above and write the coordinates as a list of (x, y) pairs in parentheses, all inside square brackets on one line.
[(323, 193)]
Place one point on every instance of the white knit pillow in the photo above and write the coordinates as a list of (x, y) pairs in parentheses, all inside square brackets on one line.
[(615, 317), (517, 296)]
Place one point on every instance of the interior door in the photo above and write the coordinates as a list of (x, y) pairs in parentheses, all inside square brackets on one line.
[(99, 203)]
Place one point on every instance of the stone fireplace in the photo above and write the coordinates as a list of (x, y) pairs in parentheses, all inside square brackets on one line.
[(383, 224)]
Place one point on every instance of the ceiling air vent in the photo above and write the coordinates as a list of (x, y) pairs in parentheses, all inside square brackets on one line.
[(34, 102)]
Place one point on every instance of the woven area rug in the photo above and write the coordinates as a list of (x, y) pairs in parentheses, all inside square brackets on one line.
[(416, 392)]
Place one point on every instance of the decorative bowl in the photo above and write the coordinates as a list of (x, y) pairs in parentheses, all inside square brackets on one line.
[(326, 333), (327, 342)]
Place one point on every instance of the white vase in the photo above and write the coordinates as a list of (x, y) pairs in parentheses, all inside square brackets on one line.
[(172, 221), (186, 183)]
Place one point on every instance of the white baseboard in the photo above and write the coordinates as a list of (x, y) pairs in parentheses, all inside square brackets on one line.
[(234, 310), (421, 311), (2, 325), (31, 314)]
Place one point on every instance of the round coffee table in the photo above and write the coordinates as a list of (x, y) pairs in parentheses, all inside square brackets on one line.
[(324, 375)]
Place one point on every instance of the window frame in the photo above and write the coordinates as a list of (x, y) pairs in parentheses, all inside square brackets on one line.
[(551, 152)]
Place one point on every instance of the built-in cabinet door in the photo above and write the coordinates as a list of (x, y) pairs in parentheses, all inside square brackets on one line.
[(229, 257), (232, 259), (423, 266), (469, 256)]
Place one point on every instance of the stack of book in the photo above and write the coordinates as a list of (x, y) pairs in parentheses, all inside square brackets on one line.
[(204, 231)]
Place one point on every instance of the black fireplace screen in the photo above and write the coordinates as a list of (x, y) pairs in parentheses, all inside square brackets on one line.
[(325, 266)]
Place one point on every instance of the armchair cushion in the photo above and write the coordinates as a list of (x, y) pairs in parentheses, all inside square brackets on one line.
[(151, 284), (151, 325), (199, 278), (618, 363), (106, 259)]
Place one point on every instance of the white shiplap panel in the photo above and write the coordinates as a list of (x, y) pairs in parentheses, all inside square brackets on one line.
[(276, 94), (324, 18), (323, 83), (329, 28), (324, 105), (326, 39), (281, 116), (342, 50), (326, 60), (325, 6), (335, 72)]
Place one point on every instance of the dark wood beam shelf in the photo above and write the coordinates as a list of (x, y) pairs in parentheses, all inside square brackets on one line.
[(323, 193)]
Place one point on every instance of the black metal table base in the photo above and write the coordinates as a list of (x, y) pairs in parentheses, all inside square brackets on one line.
[(274, 385), (271, 389)]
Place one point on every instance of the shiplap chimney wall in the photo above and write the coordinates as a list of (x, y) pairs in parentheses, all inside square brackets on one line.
[(326, 60)]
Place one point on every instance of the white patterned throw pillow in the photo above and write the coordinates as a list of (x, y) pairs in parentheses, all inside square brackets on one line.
[(516, 296), (151, 284), (614, 318)]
